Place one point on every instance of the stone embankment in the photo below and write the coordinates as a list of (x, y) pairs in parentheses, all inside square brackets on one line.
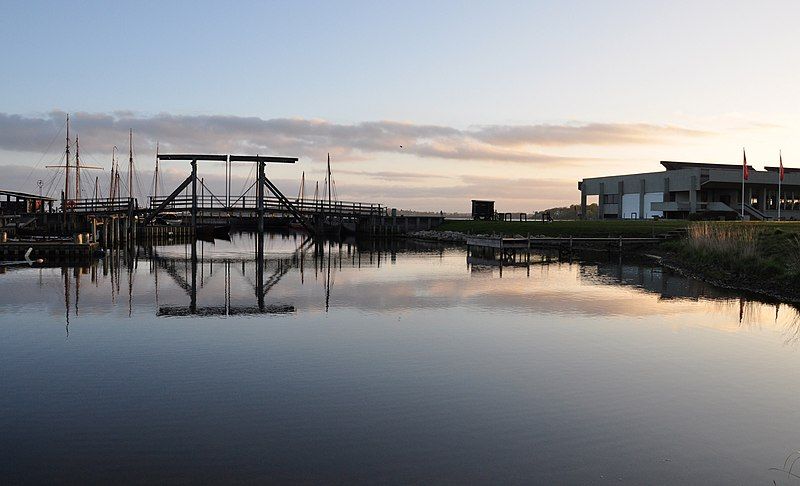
[(445, 236), (450, 236)]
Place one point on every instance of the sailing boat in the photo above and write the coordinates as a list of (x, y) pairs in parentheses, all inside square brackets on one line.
[(300, 202), (334, 225)]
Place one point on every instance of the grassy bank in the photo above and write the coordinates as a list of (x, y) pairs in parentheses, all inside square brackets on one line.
[(632, 228), (757, 256)]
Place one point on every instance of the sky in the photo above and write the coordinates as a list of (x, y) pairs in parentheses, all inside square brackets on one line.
[(422, 105)]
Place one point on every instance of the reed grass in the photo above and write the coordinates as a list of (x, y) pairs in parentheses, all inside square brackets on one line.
[(736, 241), (762, 253)]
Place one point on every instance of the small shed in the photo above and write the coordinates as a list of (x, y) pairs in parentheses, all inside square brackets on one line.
[(482, 209)]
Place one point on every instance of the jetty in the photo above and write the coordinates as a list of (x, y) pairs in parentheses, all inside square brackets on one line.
[(514, 245)]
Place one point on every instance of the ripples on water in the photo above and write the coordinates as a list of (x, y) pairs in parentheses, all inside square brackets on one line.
[(393, 362)]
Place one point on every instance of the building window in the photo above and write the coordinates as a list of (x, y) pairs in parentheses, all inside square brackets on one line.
[(610, 199)]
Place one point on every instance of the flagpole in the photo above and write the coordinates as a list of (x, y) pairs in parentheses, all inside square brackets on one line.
[(780, 177), (744, 176), (742, 195), (744, 168)]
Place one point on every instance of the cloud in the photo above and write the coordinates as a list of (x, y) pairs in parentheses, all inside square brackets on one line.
[(588, 134), (312, 138), (511, 193), (393, 176)]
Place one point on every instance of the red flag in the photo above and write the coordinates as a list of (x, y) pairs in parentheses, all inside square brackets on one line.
[(745, 170), (781, 168)]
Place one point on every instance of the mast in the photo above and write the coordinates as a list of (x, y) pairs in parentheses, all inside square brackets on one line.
[(77, 169), (111, 192), (155, 184), (66, 174), (301, 194), (130, 164), (329, 180)]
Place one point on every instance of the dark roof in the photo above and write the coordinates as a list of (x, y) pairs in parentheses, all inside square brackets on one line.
[(785, 169), (482, 201), (670, 165), (24, 195)]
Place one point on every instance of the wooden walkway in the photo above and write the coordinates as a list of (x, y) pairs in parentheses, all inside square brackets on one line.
[(506, 244), (52, 249)]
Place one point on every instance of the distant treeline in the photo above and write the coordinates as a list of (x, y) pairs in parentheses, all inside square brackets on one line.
[(568, 212)]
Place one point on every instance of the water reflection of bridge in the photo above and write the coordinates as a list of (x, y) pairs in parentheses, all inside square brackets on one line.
[(265, 279), (263, 271), (188, 267)]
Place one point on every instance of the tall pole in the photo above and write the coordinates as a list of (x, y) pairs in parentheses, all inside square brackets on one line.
[(744, 171), (155, 184), (66, 176), (228, 181), (77, 169), (329, 180), (743, 196), (111, 191), (260, 195), (194, 197), (130, 164), (780, 179)]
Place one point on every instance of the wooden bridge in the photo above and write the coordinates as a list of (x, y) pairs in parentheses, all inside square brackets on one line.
[(250, 204), (102, 206), (192, 198), (118, 218)]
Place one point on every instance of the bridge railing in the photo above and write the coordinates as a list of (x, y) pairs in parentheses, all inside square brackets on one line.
[(271, 204), (100, 205)]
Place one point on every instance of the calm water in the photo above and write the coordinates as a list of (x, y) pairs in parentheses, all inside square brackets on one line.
[(405, 364)]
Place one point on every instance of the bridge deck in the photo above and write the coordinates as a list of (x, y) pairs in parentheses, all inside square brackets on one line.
[(272, 205)]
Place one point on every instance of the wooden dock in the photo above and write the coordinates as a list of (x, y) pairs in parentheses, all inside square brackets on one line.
[(48, 249), (505, 244), (500, 243)]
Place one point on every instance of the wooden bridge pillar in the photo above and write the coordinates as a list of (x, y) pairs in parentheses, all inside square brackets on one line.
[(193, 293), (194, 196), (260, 195)]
